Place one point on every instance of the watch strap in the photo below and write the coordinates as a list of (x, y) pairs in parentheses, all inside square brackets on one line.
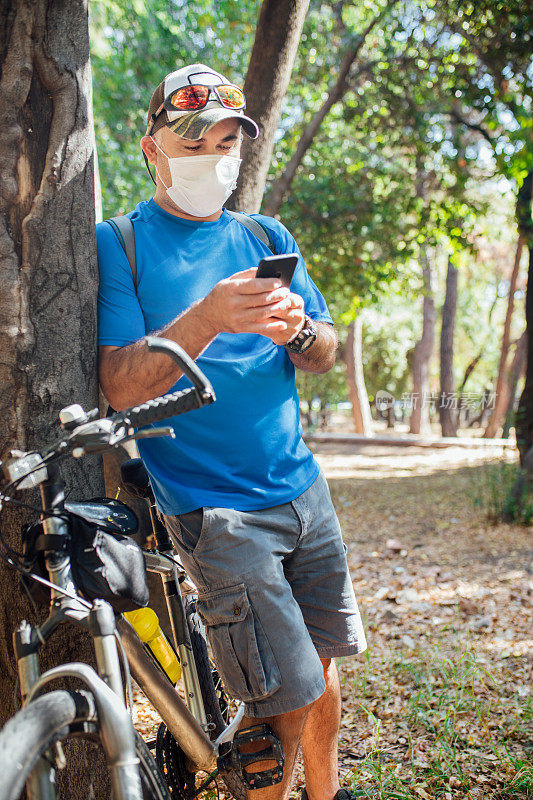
[(304, 338)]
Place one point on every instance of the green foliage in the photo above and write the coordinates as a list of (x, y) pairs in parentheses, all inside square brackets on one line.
[(329, 388), (493, 75), (134, 44)]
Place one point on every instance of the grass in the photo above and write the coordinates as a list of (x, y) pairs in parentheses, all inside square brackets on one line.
[(460, 730)]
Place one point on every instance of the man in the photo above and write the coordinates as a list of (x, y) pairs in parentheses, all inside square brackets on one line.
[(242, 496)]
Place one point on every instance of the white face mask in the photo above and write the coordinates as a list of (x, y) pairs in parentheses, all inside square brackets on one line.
[(200, 185)]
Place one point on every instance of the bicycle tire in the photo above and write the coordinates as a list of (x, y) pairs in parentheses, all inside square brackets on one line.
[(216, 701), (171, 759), (50, 718)]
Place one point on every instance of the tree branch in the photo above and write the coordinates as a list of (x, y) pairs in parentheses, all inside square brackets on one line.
[(336, 92), (458, 117)]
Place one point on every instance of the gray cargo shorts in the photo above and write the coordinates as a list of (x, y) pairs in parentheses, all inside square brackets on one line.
[(275, 595)]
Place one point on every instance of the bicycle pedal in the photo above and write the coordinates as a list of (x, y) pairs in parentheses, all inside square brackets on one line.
[(238, 760)]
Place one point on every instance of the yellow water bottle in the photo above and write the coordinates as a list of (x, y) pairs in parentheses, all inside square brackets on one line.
[(146, 624)]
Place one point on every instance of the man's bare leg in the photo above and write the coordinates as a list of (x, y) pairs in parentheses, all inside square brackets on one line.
[(288, 728), (320, 738)]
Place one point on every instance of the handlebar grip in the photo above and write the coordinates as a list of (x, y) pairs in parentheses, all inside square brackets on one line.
[(169, 405)]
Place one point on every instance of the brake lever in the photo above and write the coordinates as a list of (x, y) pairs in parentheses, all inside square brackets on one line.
[(152, 433), (188, 366)]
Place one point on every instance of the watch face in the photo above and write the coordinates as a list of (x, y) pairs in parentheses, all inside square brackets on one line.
[(304, 340), (307, 342)]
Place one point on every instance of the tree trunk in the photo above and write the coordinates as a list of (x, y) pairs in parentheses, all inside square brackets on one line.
[(515, 373), (448, 401), (97, 185), (276, 40), (502, 382), (356, 382), (48, 269), (524, 414), (419, 421)]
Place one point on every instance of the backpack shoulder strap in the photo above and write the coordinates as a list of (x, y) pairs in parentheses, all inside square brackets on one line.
[(123, 227), (254, 227)]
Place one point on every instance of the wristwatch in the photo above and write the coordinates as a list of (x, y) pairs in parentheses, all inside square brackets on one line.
[(304, 339)]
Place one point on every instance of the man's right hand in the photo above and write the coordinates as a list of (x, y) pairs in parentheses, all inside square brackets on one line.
[(243, 303)]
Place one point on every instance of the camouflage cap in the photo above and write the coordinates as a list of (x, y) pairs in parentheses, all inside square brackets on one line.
[(193, 124)]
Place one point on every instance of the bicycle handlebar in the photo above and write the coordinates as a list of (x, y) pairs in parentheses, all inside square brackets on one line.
[(168, 405), (87, 434), (189, 367)]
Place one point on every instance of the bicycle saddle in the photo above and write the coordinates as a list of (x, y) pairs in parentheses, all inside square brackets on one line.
[(135, 478)]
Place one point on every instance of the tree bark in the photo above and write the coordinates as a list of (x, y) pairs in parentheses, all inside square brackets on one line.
[(524, 414), (515, 373), (448, 401), (356, 382), (48, 269), (419, 421), (502, 382), (276, 40)]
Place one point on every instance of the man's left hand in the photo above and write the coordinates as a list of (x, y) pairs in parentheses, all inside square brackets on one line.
[(293, 315)]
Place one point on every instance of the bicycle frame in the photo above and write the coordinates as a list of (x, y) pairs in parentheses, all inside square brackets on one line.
[(106, 686), (153, 684), (172, 579), (102, 709)]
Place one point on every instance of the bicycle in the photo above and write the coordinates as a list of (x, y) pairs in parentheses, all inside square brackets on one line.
[(195, 736)]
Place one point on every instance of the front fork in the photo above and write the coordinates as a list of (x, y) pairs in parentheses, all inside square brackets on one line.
[(27, 641), (41, 782)]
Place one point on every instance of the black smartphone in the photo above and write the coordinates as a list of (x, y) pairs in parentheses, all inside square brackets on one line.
[(281, 267)]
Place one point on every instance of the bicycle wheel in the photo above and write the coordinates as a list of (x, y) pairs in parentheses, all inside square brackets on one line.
[(219, 706), (53, 717), (219, 710)]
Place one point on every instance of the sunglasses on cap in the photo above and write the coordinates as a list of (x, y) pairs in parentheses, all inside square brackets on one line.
[(196, 97)]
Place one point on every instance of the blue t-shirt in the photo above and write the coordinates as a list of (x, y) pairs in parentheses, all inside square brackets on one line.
[(245, 451)]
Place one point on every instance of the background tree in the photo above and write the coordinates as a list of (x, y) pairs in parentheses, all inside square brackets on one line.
[(353, 355), (447, 405), (269, 70), (503, 387), (493, 81)]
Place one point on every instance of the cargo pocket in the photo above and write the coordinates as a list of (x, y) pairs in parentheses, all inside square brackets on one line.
[(240, 647)]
